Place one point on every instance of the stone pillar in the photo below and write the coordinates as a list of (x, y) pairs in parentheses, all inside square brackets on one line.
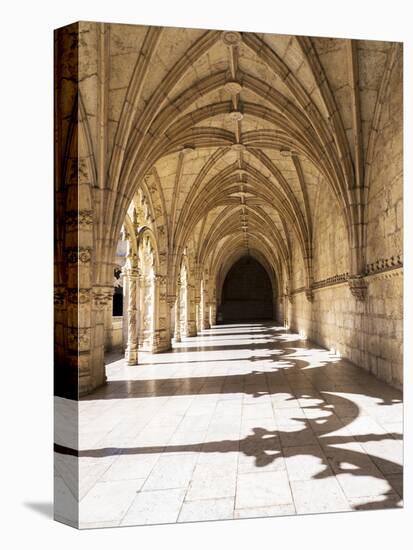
[(171, 299), (108, 324), (206, 319), (198, 315), (205, 323), (212, 313), (178, 313), (131, 354)]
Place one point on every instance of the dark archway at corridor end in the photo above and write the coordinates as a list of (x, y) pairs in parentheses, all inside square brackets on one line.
[(247, 293)]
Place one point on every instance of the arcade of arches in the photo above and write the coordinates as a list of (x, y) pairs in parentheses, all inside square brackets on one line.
[(183, 153), (229, 273)]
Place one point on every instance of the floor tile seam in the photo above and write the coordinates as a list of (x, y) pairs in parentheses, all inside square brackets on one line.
[(197, 459), (97, 480)]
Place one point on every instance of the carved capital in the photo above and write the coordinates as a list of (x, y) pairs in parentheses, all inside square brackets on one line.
[(102, 297), (78, 295), (161, 279), (131, 272), (358, 287)]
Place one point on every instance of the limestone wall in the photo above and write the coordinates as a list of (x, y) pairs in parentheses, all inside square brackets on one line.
[(369, 333)]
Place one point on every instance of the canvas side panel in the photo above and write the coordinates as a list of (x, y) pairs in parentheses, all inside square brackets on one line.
[(68, 329)]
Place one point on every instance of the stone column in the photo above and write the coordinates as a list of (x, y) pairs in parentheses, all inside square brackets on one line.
[(212, 313), (198, 315), (131, 354), (207, 323), (108, 324), (178, 313), (171, 300)]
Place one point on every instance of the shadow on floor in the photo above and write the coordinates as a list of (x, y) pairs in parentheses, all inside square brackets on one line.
[(321, 433), (43, 508)]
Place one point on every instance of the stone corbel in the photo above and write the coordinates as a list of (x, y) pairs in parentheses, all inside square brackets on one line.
[(358, 287), (309, 294)]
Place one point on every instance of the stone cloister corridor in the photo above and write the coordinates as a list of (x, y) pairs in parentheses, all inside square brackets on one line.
[(245, 420), (228, 274)]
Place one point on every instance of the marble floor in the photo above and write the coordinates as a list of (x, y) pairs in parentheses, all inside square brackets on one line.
[(242, 421)]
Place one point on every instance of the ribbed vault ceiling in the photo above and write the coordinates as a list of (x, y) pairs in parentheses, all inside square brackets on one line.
[(238, 131)]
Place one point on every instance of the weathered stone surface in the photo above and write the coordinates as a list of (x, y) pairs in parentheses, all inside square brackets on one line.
[(180, 152)]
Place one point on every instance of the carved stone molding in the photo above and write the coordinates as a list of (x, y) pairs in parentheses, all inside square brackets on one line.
[(358, 288), (330, 281), (131, 272), (59, 296), (384, 264), (79, 337), (102, 297), (79, 218), (82, 254), (79, 295), (295, 291)]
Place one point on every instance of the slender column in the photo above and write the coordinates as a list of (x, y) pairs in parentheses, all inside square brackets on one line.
[(131, 354), (178, 313), (198, 315), (212, 313), (206, 320)]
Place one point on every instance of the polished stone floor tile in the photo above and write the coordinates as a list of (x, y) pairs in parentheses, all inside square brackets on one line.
[(263, 489), (153, 507), (204, 510), (319, 495), (240, 421)]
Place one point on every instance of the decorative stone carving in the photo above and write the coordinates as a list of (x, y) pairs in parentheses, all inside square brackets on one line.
[(82, 254), (59, 296), (75, 218), (235, 115), (79, 337), (102, 297), (238, 147), (384, 264), (231, 38), (79, 296), (358, 287), (233, 87), (330, 281), (131, 354)]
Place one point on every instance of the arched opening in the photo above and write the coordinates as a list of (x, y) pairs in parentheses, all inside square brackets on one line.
[(247, 293)]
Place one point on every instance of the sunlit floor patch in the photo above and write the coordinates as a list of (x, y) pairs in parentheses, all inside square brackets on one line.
[(241, 421)]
